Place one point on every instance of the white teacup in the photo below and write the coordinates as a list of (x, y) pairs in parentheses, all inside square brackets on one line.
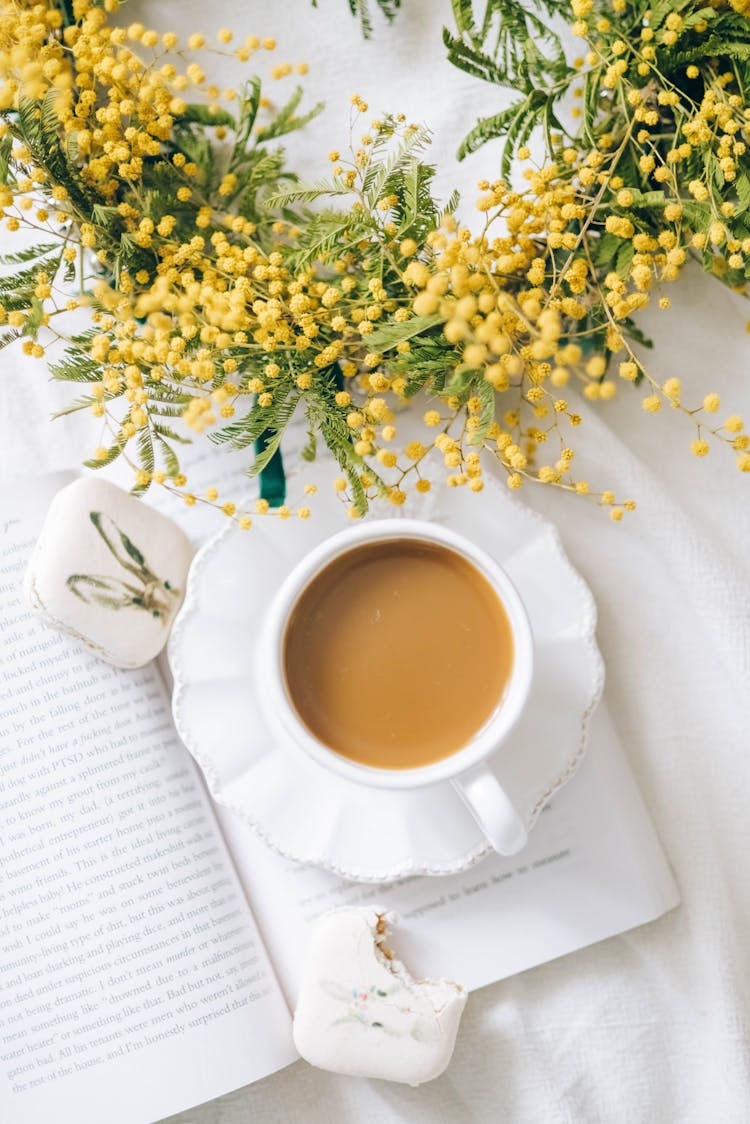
[(466, 768)]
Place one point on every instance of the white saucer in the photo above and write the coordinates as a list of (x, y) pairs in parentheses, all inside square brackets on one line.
[(299, 807)]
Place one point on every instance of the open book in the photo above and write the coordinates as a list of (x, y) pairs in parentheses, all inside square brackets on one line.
[(150, 942)]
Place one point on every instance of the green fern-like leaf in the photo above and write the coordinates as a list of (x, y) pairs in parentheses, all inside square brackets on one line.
[(362, 10), (515, 47), (31, 253), (113, 453), (286, 120)]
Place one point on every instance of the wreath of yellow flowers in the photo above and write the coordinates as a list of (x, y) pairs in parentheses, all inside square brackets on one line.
[(226, 297)]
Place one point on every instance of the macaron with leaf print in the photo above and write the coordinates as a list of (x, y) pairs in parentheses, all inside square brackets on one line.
[(109, 570), (360, 1012)]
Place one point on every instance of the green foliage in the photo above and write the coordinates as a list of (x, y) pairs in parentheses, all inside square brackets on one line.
[(362, 10), (391, 335), (514, 46), (396, 171)]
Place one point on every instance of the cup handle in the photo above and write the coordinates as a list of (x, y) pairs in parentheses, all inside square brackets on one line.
[(488, 803)]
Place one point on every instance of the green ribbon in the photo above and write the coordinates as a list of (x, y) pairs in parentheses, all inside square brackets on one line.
[(66, 7), (272, 476)]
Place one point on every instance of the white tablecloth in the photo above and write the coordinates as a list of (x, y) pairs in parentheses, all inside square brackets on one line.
[(650, 1026)]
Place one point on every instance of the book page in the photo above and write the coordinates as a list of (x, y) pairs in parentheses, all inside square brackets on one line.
[(593, 867), (133, 980)]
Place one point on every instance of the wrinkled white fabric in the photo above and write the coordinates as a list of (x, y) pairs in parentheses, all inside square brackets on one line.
[(650, 1026)]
